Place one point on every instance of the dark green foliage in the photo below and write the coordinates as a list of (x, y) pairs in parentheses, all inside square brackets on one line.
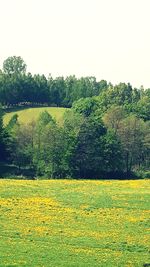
[(52, 150), (132, 133), (89, 151), (113, 160), (14, 65), (22, 146), (86, 106), (20, 88), (1, 135), (3, 138)]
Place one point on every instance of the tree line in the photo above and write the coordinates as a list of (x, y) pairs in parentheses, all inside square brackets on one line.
[(17, 87), (106, 135)]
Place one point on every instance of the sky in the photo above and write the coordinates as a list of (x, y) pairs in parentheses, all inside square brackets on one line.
[(108, 39)]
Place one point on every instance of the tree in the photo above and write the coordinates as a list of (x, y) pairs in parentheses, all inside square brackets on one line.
[(131, 133), (22, 145), (120, 95), (57, 91), (72, 124), (41, 91), (1, 134), (14, 65), (70, 87), (44, 119), (112, 153), (40, 152), (86, 106), (89, 151), (113, 117), (52, 151), (3, 138), (142, 108)]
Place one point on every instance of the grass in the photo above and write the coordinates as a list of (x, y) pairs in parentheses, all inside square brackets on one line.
[(69, 223), (29, 114)]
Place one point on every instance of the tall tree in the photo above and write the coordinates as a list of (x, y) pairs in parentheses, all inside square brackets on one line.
[(132, 132), (3, 137), (112, 118), (14, 65), (89, 153), (22, 145)]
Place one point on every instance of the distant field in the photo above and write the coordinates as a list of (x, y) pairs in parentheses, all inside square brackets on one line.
[(65, 223), (30, 114)]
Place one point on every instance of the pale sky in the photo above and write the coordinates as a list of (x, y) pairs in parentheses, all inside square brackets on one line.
[(108, 39)]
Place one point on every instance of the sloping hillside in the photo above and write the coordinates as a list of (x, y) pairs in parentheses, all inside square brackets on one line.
[(29, 114)]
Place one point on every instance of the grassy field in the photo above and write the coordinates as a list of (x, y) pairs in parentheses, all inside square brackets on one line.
[(29, 114), (74, 223)]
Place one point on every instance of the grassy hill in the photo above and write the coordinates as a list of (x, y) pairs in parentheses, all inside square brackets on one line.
[(27, 115), (71, 223)]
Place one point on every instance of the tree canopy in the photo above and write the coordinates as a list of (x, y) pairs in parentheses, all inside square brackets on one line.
[(14, 65)]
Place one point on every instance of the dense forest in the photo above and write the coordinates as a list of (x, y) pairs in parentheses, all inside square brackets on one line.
[(105, 133)]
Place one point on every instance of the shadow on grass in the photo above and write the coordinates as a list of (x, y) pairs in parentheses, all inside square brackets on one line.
[(22, 107), (13, 172)]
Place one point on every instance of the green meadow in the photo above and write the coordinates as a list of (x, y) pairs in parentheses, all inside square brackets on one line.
[(64, 223), (28, 115)]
